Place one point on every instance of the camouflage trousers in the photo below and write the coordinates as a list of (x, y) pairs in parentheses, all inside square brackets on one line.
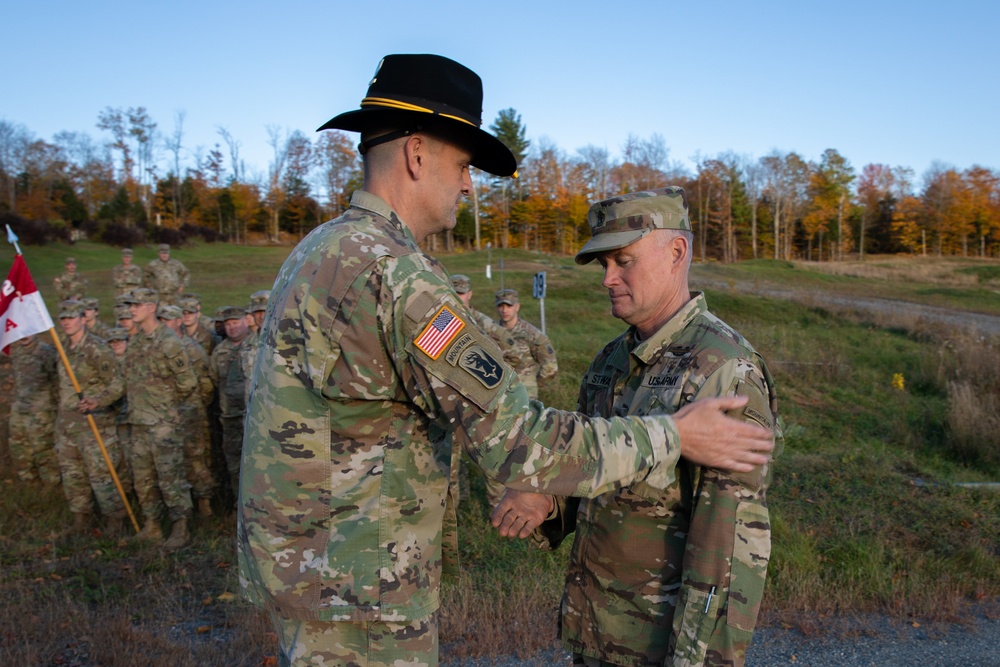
[(84, 471), (124, 432), (360, 644), (158, 470), (197, 450), (32, 445), (586, 661), (232, 447)]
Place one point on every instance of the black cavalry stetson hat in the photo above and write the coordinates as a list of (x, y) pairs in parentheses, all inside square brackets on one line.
[(412, 91)]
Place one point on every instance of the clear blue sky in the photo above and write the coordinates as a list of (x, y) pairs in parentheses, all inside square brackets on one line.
[(900, 83)]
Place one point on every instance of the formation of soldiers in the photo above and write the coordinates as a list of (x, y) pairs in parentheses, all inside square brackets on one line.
[(167, 387), (163, 389)]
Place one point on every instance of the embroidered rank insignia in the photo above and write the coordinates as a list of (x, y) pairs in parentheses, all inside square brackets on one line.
[(439, 333), (478, 363)]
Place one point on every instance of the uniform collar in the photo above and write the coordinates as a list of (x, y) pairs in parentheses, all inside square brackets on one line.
[(375, 204), (653, 347)]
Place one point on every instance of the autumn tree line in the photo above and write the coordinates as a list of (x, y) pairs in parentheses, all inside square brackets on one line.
[(135, 181)]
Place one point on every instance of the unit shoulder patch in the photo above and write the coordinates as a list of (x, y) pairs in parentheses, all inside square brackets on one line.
[(481, 365)]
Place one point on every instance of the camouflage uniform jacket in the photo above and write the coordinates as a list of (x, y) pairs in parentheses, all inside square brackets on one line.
[(228, 378), (536, 360), (158, 376), (35, 377), (70, 286), (126, 278), (167, 278), (204, 337), (368, 364), (247, 352), (199, 364), (96, 371), (671, 577), (100, 329)]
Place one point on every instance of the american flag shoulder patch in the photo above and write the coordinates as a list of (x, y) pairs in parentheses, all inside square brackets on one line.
[(441, 331)]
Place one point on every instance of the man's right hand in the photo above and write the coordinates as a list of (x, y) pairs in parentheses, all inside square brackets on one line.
[(710, 438)]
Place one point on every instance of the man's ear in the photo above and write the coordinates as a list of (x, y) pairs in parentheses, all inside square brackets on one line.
[(679, 248), (415, 151)]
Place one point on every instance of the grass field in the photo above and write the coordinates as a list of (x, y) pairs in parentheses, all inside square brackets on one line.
[(867, 511)]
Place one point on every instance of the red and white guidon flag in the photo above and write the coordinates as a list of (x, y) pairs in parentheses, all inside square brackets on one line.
[(22, 311)]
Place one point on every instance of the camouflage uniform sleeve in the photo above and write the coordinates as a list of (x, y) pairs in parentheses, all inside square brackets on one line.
[(111, 380), (545, 354), (183, 275), (180, 367), (729, 541), (462, 386)]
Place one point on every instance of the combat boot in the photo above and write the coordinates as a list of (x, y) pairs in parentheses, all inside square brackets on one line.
[(179, 536), (204, 507), (150, 532)]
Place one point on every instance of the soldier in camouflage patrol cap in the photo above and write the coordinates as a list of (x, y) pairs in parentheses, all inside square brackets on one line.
[(83, 468), (370, 367), (248, 348), (194, 415), (158, 379), (126, 276), (33, 412), (535, 357), (91, 306), (227, 374), (166, 276), (193, 326), (70, 285), (675, 576)]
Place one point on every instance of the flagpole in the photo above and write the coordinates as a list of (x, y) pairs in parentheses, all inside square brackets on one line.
[(12, 239), (93, 427)]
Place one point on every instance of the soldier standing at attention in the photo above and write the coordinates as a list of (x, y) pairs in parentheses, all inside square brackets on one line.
[(84, 471), (126, 276), (194, 415), (166, 276), (33, 411), (123, 314), (70, 284), (370, 368), (533, 358), (193, 327), (536, 360), (118, 342), (91, 306), (675, 576), (228, 378), (158, 379), (248, 349)]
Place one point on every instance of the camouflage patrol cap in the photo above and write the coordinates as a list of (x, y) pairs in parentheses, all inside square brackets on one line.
[(123, 313), (164, 247), (71, 308), (188, 305), (142, 295), (258, 301), (230, 313), (508, 296), (89, 303), (126, 252), (122, 299), (70, 260), (461, 283), (624, 219), (117, 333), (166, 312), (192, 295)]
